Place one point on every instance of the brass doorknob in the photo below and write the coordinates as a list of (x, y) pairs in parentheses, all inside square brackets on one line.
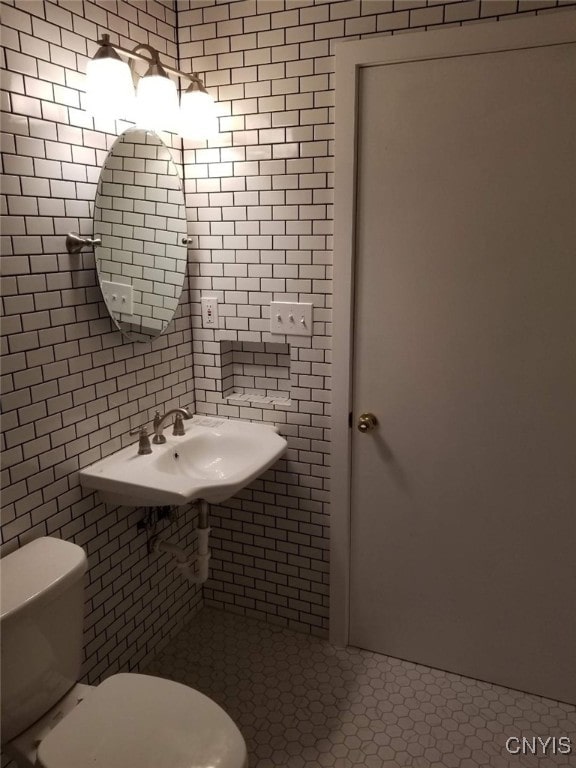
[(367, 422)]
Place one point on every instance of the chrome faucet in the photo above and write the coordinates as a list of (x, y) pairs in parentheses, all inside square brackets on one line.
[(181, 414)]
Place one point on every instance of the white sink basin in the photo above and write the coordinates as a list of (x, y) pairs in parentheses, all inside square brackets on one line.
[(212, 461)]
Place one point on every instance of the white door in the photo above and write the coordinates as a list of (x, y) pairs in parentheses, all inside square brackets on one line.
[(463, 515)]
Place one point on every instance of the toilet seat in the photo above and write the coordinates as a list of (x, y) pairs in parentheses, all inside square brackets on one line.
[(138, 720)]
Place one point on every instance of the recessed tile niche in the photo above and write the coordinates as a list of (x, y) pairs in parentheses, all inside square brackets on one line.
[(255, 372)]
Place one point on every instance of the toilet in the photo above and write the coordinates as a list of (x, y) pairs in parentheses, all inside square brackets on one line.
[(49, 720)]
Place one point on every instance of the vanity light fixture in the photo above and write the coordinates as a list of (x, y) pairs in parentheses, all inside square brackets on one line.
[(109, 85), (198, 118), (156, 99), (110, 92)]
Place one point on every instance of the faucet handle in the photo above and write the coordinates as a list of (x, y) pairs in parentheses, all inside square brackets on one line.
[(178, 425), (143, 441), (158, 438)]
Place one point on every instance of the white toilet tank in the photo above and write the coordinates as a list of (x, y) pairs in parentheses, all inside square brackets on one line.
[(41, 623)]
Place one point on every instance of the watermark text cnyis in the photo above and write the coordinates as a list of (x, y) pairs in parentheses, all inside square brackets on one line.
[(539, 745)]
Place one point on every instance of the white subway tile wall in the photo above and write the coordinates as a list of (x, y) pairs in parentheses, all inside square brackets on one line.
[(260, 198), (72, 387)]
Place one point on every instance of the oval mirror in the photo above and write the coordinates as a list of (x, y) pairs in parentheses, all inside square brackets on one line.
[(141, 218)]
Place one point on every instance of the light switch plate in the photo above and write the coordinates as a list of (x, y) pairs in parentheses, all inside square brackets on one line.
[(209, 312), (118, 298), (291, 318)]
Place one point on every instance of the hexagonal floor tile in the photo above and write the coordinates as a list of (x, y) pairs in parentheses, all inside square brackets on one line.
[(301, 703)]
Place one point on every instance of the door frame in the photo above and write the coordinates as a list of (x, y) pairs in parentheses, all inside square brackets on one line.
[(350, 57)]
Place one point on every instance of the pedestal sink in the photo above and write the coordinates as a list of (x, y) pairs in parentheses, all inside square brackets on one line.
[(212, 461)]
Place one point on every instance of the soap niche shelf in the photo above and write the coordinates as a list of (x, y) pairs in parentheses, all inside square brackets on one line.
[(255, 372)]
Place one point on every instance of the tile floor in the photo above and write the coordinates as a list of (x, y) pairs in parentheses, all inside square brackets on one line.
[(301, 703)]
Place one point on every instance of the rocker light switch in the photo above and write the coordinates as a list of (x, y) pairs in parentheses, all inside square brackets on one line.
[(291, 318)]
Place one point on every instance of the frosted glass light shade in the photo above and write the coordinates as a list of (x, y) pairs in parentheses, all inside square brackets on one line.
[(198, 119), (156, 103), (109, 88)]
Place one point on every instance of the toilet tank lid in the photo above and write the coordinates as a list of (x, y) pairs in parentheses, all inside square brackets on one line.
[(41, 569)]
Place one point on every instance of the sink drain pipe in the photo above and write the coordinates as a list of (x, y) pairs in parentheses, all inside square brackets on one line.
[(185, 564)]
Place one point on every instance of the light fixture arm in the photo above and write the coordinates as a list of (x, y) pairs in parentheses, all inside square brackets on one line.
[(154, 54)]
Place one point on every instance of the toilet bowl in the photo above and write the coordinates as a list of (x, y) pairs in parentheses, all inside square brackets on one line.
[(51, 721)]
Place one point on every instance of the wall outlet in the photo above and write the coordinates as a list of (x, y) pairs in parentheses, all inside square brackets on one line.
[(118, 297), (291, 318), (209, 312)]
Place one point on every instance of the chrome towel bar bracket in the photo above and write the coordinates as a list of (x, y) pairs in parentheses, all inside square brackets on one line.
[(75, 243)]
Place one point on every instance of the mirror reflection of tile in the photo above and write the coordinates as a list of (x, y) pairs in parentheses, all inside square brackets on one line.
[(140, 216)]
